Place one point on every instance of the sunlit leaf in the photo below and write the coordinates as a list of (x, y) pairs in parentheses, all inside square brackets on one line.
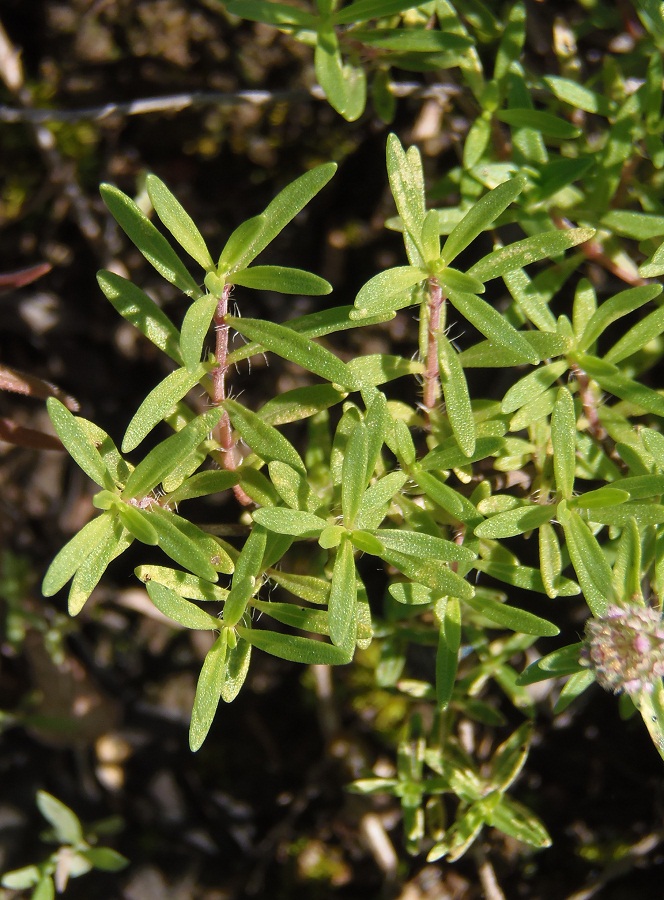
[(159, 403), (178, 221), (152, 244)]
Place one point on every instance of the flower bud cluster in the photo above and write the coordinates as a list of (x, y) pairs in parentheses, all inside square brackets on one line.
[(625, 648)]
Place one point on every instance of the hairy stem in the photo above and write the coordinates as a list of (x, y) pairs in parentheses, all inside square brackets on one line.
[(230, 456), (431, 390)]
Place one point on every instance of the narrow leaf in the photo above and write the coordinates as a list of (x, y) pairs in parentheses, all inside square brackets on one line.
[(547, 245), (178, 221), (480, 217), (289, 521), (142, 312), (195, 327), (264, 440), (296, 348), (169, 453), (294, 648), (181, 611), (238, 254), (159, 403), (78, 444), (563, 442), (282, 279), (589, 562), (455, 393), (342, 604), (492, 325), (208, 692), (152, 244)]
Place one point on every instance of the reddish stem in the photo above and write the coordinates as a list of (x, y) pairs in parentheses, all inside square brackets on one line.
[(230, 456), (431, 390)]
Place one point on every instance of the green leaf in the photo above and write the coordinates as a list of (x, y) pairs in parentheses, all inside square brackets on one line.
[(653, 267), (532, 386), (152, 244), (142, 312), (159, 403), (480, 216), (546, 245), (300, 403), (515, 820), (203, 484), (289, 521), (73, 553), (612, 310), (563, 442), (354, 475), (383, 289), (648, 329), (447, 654), (65, 823), (134, 521), (237, 667), (253, 236), (446, 497), (515, 521), (112, 541), (78, 444), (178, 222), (404, 170), (307, 587), (294, 648), (184, 542), (545, 123), (296, 348), (105, 858), (182, 583), (453, 280), (181, 611), (493, 326), (45, 890), (246, 579), (313, 620), (636, 225), (554, 665), (342, 604), (364, 10), (208, 692), (418, 544), (510, 617), (272, 13), (282, 279), (430, 572), (525, 577), (377, 368), (578, 96), (455, 393), (453, 458), (163, 458), (195, 327), (344, 84), (589, 562), (23, 878), (550, 559), (264, 440), (606, 496), (411, 40)]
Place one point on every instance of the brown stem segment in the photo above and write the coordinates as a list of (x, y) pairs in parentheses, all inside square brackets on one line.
[(431, 390)]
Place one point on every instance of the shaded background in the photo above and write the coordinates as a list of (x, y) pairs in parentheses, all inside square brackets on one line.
[(96, 710)]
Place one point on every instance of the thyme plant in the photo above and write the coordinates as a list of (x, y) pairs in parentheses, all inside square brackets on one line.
[(446, 494)]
